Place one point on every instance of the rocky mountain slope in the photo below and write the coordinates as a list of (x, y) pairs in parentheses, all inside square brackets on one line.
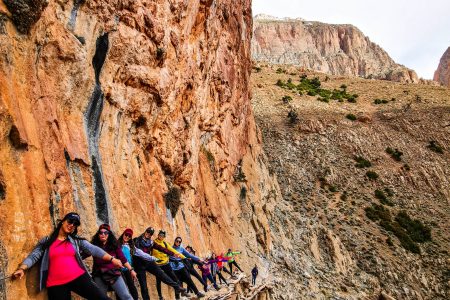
[(442, 74), (327, 48), (135, 113), (347, 168)]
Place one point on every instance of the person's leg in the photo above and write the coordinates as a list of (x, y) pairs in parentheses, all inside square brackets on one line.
[(213, 281), (226, 270), (230, 265), (168, 270), (237, 266), (59, 292), (184, 276), (205, 280), (196, 275), (130, 284), (142, 278), (159, 273), (121, 289), (221, 278), (101, 285), (86, 288)]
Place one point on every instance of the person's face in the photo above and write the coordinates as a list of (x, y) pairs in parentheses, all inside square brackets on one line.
[(161, 237), (147, 235), (178, 242), (103, 235), (127, 237), (189, 250), (69, 226), (213, 256)]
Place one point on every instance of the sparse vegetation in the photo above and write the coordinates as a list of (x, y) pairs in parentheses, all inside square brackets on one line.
[(361, 162), (344, 196), (394, 153), (372, 175), (257, 69), (380, 195), (286, 99), (351, 117), (281, 71), (332, 189), (434, 146), (173, 200), (380, 101), (312, 87), (408, 231), (292, 116)]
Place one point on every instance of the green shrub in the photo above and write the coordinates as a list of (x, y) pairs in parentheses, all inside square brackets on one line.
[(406, 167), (378, 213), (380, 101), (321, 99), (416, 230), (280, 71), (286, 99), (293, 116), (361, 162), (172, 200), (372, 175), (280, 83), (257, 69), (344, 196), (434, 146), (394, 153), (351, 117), (383, 198), (344, 87), (332, 188)]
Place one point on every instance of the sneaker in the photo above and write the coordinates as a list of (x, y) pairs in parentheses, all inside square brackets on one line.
[(186, 294), (200, 295), (180, 289), (217, 288)]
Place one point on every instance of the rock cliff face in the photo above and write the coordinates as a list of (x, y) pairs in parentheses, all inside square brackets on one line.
[(332, 49), (325, 245), (442, 74), (122, 109)]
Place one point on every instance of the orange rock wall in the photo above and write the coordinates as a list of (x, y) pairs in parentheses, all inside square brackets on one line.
[(107, 105)]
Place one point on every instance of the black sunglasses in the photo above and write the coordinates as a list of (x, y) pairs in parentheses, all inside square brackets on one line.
[(127, 235), (177, 241), (73, 221)]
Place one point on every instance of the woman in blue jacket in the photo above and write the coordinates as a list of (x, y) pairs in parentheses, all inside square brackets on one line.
[(179, 268)]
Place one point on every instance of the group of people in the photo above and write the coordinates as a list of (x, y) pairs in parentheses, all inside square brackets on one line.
[(117, 262)]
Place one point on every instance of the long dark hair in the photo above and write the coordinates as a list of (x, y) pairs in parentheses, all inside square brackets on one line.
[(54, 235), (111, 242), (130, 243)]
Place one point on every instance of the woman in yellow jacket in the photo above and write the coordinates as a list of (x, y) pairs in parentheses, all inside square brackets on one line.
[(163, 262)]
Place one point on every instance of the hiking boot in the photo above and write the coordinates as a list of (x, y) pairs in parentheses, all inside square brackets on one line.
[(186, 294), (217, 288), (200, 295), (180, 290)]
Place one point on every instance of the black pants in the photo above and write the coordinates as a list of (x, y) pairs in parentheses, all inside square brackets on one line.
[(225, 270), (221, 278), (169, 272), (83, 286), (184, 276), (230, 264), (194, 273), (253, 279), (130, 284), (154, 269)]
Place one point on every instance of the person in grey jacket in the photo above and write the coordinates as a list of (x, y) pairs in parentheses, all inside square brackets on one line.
[(62, 269)]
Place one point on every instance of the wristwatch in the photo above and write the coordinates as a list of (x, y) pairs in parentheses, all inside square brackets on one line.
[(112, 257)]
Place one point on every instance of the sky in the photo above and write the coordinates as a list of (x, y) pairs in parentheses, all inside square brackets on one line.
[(415, 33)]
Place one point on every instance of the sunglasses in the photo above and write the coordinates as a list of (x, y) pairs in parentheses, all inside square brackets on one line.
[(177, 241), (103, 232), (127, 235), (73, 221)]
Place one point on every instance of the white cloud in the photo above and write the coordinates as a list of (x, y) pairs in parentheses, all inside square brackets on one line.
[(415, 33)]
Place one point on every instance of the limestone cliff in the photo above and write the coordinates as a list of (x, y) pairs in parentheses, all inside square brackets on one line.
[(442, 74), (327, 48), (135, 113)]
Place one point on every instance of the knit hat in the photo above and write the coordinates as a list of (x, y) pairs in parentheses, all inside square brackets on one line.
[(128, 231), (104, 226), (162, 232), (150, 230)]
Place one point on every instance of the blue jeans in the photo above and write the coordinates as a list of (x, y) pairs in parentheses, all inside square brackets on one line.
[(119, 287)]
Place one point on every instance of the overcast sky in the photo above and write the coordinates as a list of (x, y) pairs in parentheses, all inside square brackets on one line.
[(415, 33)]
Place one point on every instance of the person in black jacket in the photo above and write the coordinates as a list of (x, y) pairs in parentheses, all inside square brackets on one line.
[(254, 274), (145, 243)]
